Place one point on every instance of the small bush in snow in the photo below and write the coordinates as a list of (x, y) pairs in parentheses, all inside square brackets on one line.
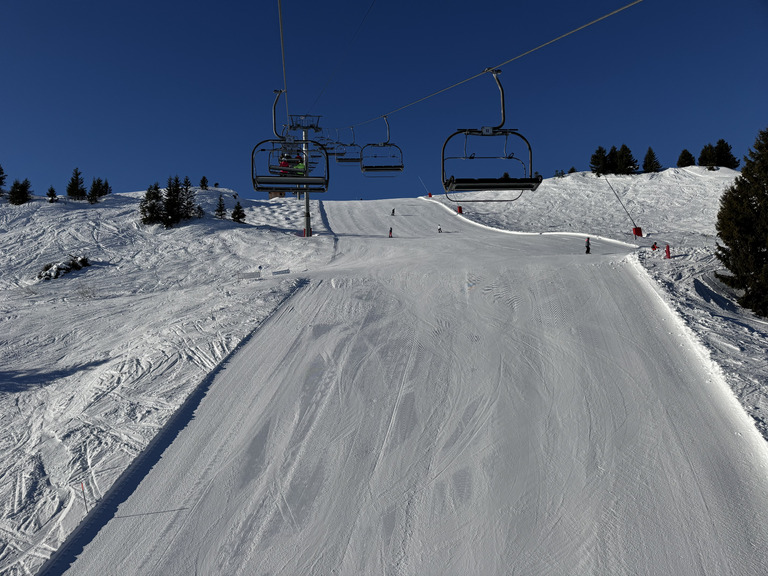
[(54, 270)]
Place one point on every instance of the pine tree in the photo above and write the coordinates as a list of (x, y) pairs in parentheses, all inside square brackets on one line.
[(612, 161), (651, 163), (187, 199), (106, 189), (685, 159), (221, 210), (572, 170), (151, 206), (723, 155), (76, 186), (238, 214), (204, 183), (742, 225), (598, 163), (173, 202), (52, 195), (708, 156), (3, 176), (625, 162), (95, 191), (20, 192)]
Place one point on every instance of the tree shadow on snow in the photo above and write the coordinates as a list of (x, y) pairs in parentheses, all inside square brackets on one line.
[(13, 381)]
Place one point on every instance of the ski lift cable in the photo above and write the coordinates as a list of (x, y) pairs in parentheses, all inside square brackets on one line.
[(282, 50), (452, 86), (620, 202), (349, 47)]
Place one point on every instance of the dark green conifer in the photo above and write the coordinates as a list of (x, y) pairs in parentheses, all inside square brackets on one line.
[(238, 214), (20, 192), (685, 159), (76, 186), (708, 156), (723, 155), (221, 210), (742, 225), (598, 163), (650, 162), (151, 206)]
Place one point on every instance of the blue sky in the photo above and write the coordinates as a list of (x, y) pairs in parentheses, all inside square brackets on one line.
[(136, 92)]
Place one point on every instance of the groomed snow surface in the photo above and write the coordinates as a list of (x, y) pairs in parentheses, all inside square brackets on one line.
[(236, 399)]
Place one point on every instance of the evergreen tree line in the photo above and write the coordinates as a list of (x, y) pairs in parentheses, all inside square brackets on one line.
[(621, 161), (238, 214), (176, 202), (171, 205), (76, 189), (19, 192)]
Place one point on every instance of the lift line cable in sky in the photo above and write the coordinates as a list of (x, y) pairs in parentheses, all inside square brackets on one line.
[(282, 50), (349, 47), (500, 65)]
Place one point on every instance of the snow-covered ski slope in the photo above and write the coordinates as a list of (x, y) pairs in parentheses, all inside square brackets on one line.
[(471, 402), (460, 403)]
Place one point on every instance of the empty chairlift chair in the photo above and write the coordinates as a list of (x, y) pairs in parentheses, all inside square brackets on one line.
[(487, 161), (383, 159)]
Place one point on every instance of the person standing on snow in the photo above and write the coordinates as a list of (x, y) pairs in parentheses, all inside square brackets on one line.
[(393, 211), (586, 244), (390, 232)]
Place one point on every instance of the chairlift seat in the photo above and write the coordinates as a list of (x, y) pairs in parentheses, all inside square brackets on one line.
[(289, 180), (480, 184), (382, 168)]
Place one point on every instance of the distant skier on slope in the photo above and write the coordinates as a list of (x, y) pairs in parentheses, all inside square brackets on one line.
[(586, 244), (390, 232)]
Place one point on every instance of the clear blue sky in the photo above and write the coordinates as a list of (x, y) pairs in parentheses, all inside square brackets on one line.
[(138, 91)]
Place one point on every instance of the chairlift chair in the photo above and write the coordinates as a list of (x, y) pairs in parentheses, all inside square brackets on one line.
[(489, 147), (382, 159), (270, 173), (276, 163), (352, 152)]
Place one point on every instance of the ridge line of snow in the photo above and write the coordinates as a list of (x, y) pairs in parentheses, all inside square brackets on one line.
[(517, 233)]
